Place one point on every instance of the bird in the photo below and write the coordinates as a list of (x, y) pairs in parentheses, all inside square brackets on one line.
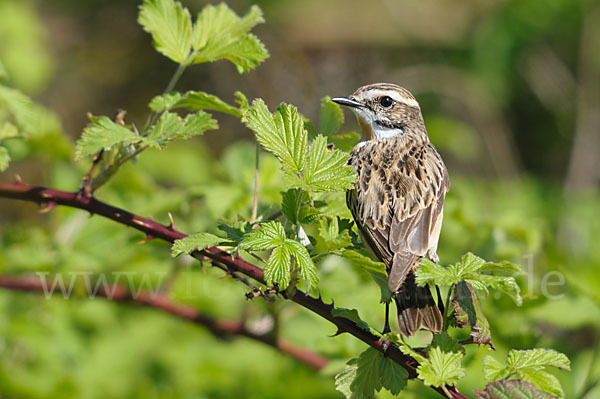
[(397, 201)]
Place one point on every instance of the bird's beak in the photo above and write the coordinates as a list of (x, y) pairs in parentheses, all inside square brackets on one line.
[(347, 101)]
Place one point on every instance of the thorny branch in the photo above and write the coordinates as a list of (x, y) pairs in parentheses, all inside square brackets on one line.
[(223, 329), (152, 229)]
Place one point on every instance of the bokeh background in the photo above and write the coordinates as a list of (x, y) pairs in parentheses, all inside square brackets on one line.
[(510, 92)]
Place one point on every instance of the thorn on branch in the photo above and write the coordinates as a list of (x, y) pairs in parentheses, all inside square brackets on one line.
[(171, 225), (339, 331), (18, 180), (120, 117), (48, 207), (148, 238), (267, 294)]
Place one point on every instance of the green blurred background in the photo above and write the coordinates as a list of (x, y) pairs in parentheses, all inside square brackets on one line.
[(510, 92)]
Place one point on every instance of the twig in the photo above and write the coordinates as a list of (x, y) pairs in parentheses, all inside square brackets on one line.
[(223, 329), (44, 195)]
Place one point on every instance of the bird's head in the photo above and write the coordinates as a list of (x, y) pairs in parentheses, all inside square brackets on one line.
[(385, 110)]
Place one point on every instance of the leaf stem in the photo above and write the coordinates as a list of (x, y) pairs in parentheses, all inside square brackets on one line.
[(447, 307), (256, 184)]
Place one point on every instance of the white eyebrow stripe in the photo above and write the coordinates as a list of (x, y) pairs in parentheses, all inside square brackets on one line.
[(396, 97)]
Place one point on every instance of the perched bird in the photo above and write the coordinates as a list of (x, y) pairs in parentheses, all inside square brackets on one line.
[(398, 198)]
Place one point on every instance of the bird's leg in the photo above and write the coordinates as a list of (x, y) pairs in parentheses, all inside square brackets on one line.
[(386, 326)]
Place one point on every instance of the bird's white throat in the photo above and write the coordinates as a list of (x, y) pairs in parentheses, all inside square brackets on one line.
[(372, 130)]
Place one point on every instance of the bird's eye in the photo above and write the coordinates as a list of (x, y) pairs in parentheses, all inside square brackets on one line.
[(386, 101)]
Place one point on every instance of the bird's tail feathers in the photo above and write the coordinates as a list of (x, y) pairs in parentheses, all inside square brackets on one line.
[(416, 308)]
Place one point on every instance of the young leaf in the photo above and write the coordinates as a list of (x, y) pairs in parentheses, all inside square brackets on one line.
[(529, 365), (331, 117), (365, 262), (445, 342), (282, 133), (327, 170), (344, 378), (278, 269), (195, 242), (198, 100), (290, 204), (219, 33), (367, 379), (170, 26), (514, 389), (269, 235), (170, 126), (103, 134), (330, 237), (164, 102), (467, 310), (306, 267), (4, 158), (441, 368)]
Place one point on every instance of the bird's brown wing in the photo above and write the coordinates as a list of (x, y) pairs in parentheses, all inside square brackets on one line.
[(397, 203)]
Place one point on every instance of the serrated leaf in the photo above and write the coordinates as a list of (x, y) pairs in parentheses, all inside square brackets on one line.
[(346, 141), (468, 311), (514, 389), (351, 314), (281, 133), (344, 378), (538, 357), (233, 232), (393, 377), (195, 242), (445, 342), (493, 370), (278, 269), (170, 126), (4, 158), (103, 134), (472, 269), (220, 34), (267, 236), (441, 368), (331, 117), (170, 26), (367, 379), (164, 102), (198, 100), (327, 170), (543, 381), (331, 238), (308, 214), (306, 267), (290, 204)]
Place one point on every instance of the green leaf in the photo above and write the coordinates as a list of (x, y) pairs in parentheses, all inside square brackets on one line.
[(514, 389), (290, 204), (365, 262), (278, 269), (170, 26), (331, 117), (234, 231), (198, 100), (103, 134), (164, 102), (170, 126), (4, 158), (393, 377), (351, 314), (327, 170), (344, 378), (445, 342), (468, 311), (441, 368), (267, 236), (282, 133), (529, 365), (8, 130), (30, 118), (493, 370), (367, 379), (195, 242), (538, 357), (543, 380), (472, 269), (308, 214), (3, 73), (331, 238), (306, 267), (346, 141), (220, 34)]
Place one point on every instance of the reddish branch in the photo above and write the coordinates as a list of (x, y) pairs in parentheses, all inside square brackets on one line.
[(223, 329), (152, 229)]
